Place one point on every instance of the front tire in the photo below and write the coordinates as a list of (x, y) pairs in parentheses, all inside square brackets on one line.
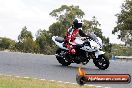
[(101, 62), (61, 59)]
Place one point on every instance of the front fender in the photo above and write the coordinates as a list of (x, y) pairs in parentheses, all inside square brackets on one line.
[(99, 53)]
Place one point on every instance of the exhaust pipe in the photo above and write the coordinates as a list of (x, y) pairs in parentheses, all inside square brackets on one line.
[(58, 56)]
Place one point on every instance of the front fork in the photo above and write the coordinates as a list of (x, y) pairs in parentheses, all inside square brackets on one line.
[(98, 53)]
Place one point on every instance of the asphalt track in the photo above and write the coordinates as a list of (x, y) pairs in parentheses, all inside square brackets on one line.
[(47, 67)]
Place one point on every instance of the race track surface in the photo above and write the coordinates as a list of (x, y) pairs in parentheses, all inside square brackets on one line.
[(47, 67)]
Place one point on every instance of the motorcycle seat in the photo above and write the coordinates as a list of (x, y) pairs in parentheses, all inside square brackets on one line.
[(59, 39)]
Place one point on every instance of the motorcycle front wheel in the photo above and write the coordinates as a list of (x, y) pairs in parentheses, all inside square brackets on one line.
[(102, 62)]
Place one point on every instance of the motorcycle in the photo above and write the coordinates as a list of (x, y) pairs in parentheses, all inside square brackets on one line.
[(86, 48)]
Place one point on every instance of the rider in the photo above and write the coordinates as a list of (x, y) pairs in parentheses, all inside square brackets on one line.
[(71, 34)]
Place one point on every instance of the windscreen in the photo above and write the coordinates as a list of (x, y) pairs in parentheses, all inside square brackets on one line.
[(93, 36)]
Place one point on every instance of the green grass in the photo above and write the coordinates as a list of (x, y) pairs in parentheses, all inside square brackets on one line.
[(13, 82)]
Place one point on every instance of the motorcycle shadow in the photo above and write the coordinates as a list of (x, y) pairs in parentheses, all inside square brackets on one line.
[(87, 69)]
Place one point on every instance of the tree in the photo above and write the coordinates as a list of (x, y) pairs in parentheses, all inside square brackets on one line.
[(26, 42), (121, 50), (43, 39), (24, 34), (67, 13), (7, 43), (64, 16), (124, 23), (94, 27), (87, 26), (12, 45), (57, 29)]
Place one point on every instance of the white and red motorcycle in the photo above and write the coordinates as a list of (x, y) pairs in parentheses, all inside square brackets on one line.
[(86, 48)]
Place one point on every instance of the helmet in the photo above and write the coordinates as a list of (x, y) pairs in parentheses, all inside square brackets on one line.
[(77, 23)]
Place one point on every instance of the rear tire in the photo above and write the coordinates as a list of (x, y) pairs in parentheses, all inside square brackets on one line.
[(101, 62), (61, 59)]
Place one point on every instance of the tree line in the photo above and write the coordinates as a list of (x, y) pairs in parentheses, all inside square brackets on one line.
[(64, 16)]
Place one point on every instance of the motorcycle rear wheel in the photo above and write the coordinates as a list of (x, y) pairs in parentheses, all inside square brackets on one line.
[(61, 59)]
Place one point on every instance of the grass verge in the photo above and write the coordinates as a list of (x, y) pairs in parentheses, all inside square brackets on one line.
[(14, 82)]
